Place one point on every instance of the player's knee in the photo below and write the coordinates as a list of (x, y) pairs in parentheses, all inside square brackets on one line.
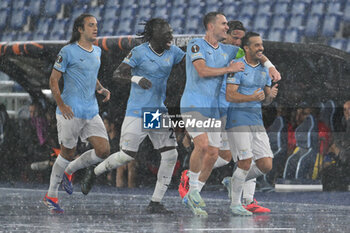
[(264, 165), (103, 151), (201, 146), (266, 168), (244, 164)]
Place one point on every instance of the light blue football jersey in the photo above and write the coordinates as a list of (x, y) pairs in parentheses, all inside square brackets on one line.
[(201, 94), (156, 68), (80, 70), (223, 103), (247, 113)]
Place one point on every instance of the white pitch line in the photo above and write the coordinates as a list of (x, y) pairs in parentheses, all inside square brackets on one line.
[(240, 229)]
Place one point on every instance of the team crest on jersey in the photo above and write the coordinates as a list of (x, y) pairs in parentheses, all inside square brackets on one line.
[(59, 59), (195, 49), (263, 73), (224, 55), (167, 60)]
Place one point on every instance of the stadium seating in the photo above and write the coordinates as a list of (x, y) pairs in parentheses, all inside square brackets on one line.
[(20, 4), (4, 14), (313, 23), (52, 7), (231, 10), (338, 43), (262, 21), (264, 8), (282, 20), (124, 27), (296, 20), (278, 137), (112, 12), (281, 7), (98, 12), (279, 21), (5, 4), (144, 14), (299, 165), (327, 114), (108, 27), (112, 3), (292, 35), (34, 7), (248, 8), (276, 34), (330, 25), (317, 7)]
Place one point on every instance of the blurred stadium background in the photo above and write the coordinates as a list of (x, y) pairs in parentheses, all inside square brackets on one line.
[(325, 21)]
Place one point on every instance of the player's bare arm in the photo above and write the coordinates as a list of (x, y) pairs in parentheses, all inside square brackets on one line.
[(271, 93), (66, 110), (206, 71), (273, 72), (124, 72), (103, 91), (232, 94)]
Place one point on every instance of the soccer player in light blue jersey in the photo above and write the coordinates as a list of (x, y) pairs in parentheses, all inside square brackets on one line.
[(207, 61), (247, 136), (148, 67), (77, 109)]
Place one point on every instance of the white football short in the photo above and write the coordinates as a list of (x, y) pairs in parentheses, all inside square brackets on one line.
[(70, 130), (132, 134), (225, 145), (249, 142), (214, 135)]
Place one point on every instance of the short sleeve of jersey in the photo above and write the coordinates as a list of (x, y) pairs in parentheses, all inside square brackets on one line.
[(195, 50), (234, 79), (62, 60), (133, 58), (179, 54), (240, 53)]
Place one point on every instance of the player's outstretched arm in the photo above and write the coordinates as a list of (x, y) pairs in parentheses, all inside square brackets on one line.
[(66, 110), (206, 71), (232, 95), (271, 93), (103, 91), (124, 72)]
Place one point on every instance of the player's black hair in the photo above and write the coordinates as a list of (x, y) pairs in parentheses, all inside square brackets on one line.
[(211, 17), (245, 39), (78, 22), (149, 28), (235, 25)]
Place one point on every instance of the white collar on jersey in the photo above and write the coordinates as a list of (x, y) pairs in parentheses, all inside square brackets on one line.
[(251, 64), (159, 54), (85, 48)]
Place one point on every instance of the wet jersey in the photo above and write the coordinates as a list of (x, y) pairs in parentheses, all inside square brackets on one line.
[(201, 94), (156, 68), (80, 70), (247, 113)]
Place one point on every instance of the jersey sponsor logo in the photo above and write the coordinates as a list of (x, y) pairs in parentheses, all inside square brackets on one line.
[(196, 55), (231, 79), (151, 119), (195, 49)]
